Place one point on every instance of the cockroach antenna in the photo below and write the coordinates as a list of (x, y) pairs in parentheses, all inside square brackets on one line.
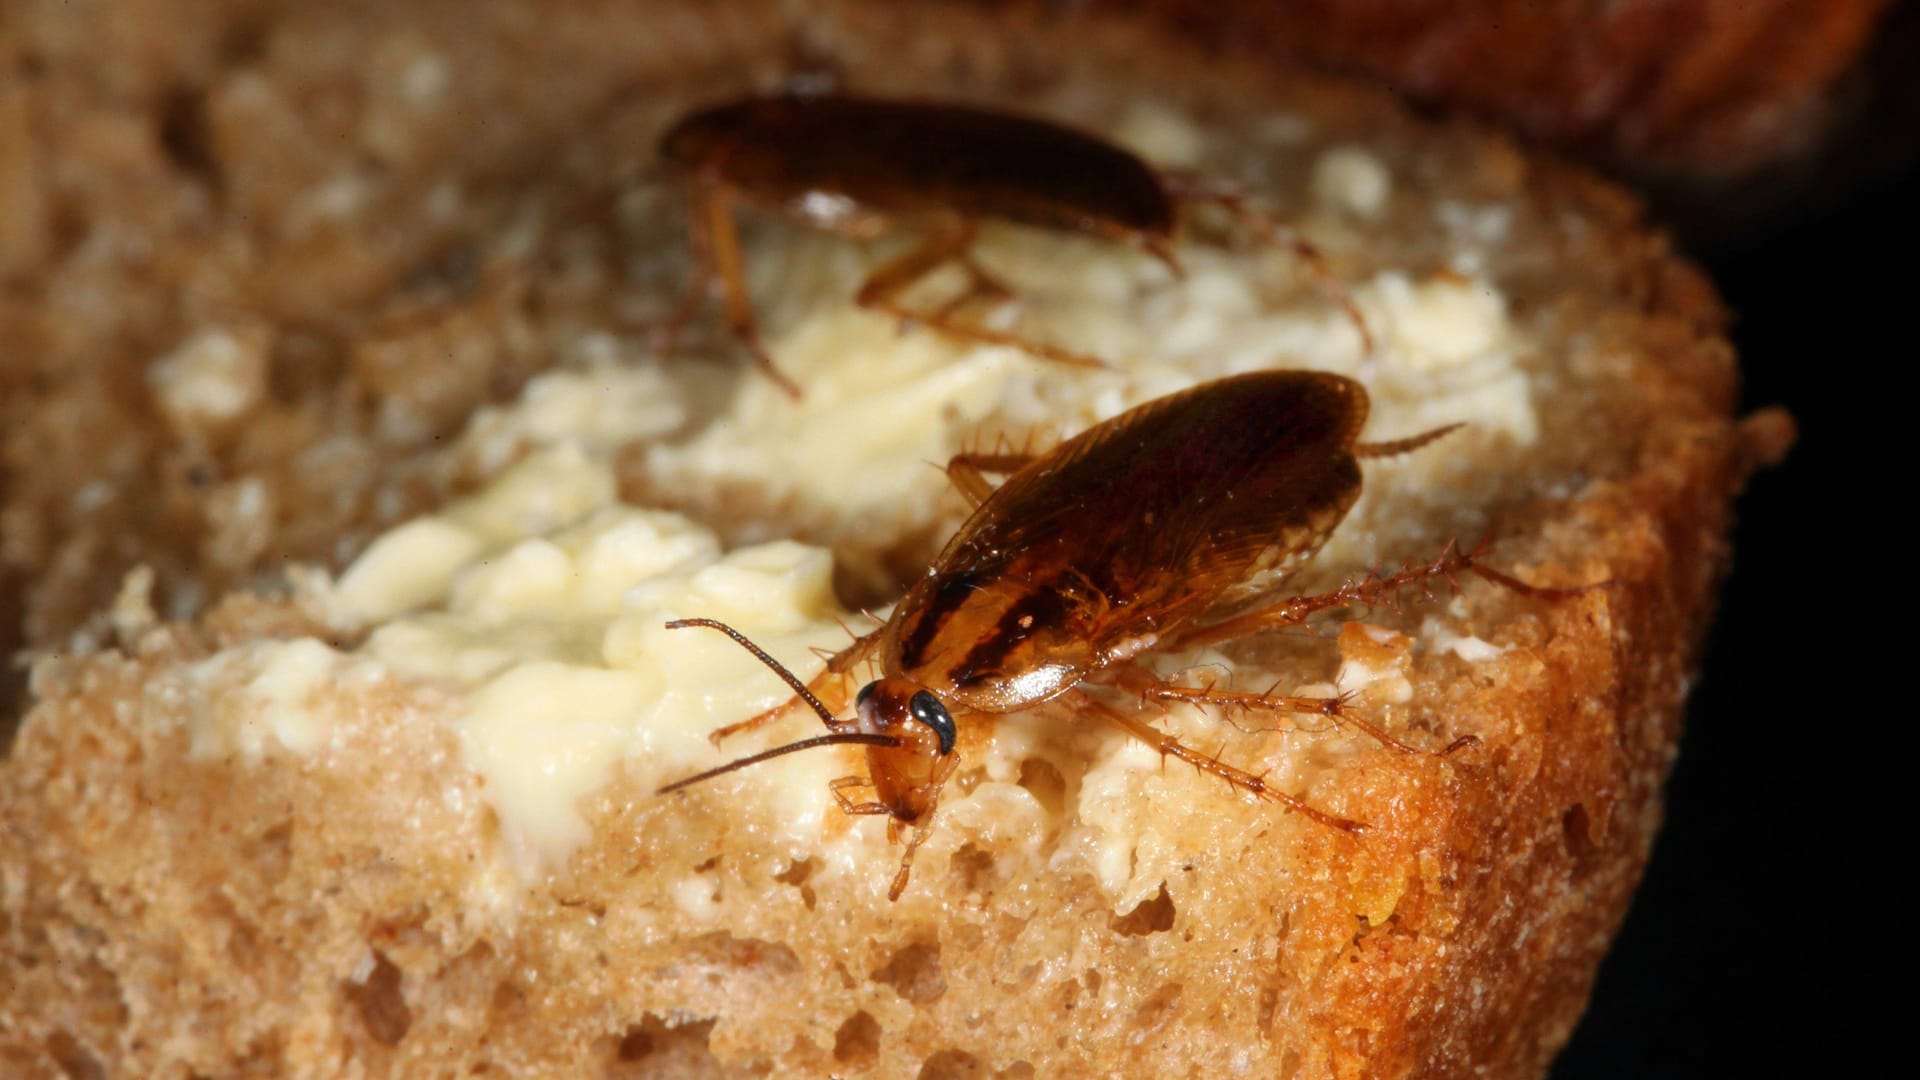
[(838, 738)]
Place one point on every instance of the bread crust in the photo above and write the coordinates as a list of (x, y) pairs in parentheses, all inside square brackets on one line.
[(1696, 89), (164, 916)]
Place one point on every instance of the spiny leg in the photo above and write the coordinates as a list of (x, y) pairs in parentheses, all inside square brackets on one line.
[(1371, 591), (920, 834), (713, 214), (1193, 187), (1396, 447), (700, 276), (1139, 681), (968, 472), (981, 285), (830, 683), (839, 788), (953, 242), (1168, 746), (922, 828)]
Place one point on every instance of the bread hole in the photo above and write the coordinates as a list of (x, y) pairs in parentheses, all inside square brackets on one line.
[(508, 999), (381, 1002), (914, 973), (264, 1056), (971, 868), (1269, 1004), (763, 958), (72, 1058), (637, 1043), (1151, 916), (968, 779), (272, 852), (187, 137), (1019, 1070), (1577, 828), (13, 677), (1044, 782), (950, 1065), (858, 1040), (1153, 1013), (796, 875), (244, 42), (665, 1046), (243, 944), (303, 364)]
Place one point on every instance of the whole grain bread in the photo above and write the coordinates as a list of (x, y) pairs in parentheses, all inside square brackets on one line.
[(384, 220)]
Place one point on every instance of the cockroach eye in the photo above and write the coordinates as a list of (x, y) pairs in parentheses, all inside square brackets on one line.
[(866, 692), (927, 709)]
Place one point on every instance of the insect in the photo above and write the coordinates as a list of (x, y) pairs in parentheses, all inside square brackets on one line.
[(866, 166), (1169, 527)]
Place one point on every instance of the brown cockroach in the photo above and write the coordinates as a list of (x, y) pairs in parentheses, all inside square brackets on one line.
[(866, 166), (1169, 527)]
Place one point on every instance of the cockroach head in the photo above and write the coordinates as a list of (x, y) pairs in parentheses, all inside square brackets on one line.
[(882, 704)]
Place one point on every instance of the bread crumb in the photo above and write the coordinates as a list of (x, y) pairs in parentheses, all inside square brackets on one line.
[(212, 377), (1352, 181)]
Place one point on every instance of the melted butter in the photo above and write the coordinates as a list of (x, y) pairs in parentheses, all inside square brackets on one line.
[(1353, 181), (265, 697), (558, 645), (211, 377)]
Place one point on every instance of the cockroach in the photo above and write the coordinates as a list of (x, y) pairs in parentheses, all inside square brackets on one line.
[(1169, 527), (866, 166)]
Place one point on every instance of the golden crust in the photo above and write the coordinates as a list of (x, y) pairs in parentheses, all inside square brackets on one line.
[(320, 915)]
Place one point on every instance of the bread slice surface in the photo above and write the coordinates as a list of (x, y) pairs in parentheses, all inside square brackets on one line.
[(290, 836)]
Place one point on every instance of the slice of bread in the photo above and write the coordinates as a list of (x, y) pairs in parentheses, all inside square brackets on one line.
[(400, 819)]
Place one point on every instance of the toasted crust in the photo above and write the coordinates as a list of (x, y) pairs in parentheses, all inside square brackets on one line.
[(1693, 89), (163, 913)]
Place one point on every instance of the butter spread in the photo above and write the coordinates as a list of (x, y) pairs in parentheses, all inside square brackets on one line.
[(538, 603)]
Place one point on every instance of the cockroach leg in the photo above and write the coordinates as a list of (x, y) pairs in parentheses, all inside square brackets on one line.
[(1374, 590), (717, 241), (922, 829), (945, 244), (830, 683), (1333, 708), (1138, 680), (1168, 746), (968, 472), (1189, 187), (1395, 447), (981, 285), (801, 691), (700, 277), (920, 834), (819, 687), (839, 788), (939, 246)]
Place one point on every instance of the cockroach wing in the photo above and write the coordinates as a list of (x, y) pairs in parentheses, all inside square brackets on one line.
[(1168, 507), (1127, 530), (804, 152)]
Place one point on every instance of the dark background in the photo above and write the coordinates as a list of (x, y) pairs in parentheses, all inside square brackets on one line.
[(1765, 940)]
